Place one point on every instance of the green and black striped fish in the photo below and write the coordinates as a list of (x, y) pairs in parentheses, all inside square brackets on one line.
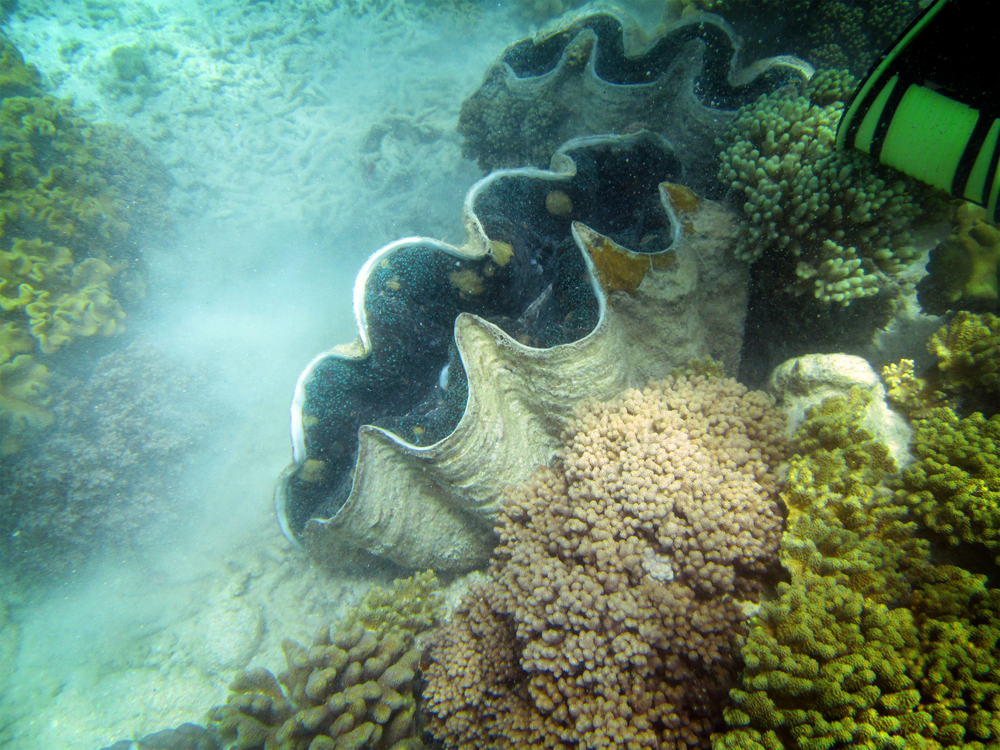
[(929, 106)]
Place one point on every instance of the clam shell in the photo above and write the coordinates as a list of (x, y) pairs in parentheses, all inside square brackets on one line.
[(356, 490), (596, 71)]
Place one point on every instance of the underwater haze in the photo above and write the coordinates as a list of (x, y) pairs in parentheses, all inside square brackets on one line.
[(296, 139), (692, 414)]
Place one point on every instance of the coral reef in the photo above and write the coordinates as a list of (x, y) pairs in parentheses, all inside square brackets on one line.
[(596, 71), (869, 644), (111, 469), (827, 33), (410, 605), (839, 217), (964, 270), (808, 381), (403, 441), (615, 603), (69, 258), (954, 485), (352, 689), (968, 352), (17, 78), (60, 225), (348, 690), (24, 396)]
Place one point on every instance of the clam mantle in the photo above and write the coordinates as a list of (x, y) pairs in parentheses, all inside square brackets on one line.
[(470, 360)]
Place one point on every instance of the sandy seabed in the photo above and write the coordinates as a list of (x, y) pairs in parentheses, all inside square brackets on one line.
[(301, 135)]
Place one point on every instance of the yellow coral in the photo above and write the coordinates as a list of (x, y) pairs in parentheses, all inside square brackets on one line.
[(24, 394), (86, 310), (13, 340), (981, 241), (912, 395), (968, 351)]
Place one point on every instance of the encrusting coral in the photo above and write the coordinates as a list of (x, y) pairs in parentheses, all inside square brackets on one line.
[(352, 688), (615, 603), (838, 216), (869, 645)]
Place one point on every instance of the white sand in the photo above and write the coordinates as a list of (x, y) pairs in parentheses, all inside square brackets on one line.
[(301, 138)]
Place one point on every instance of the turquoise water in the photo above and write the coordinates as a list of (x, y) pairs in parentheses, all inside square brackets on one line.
[(280, 144)]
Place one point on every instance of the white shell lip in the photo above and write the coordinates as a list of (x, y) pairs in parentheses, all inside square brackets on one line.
[(477, 243), (476, 246)]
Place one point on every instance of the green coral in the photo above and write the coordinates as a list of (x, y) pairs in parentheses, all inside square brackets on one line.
[(869, 645), (354, 687), (839, 216), (827, 667), (964, 270), (411, 605), (954, 485), (17, 78), (968, 352), (66, 252), (24, 396)]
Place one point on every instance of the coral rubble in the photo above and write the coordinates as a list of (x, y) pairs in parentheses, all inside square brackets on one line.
[(614, 608)]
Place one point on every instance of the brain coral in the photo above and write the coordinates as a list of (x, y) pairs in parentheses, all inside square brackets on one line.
[(614, 605), (838, 221)]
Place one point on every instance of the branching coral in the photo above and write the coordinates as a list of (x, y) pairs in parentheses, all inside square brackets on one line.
[(842, 218), (352, 689), (349, 690), (614, 607), (889, 651), (968, 352), (954, 486)]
